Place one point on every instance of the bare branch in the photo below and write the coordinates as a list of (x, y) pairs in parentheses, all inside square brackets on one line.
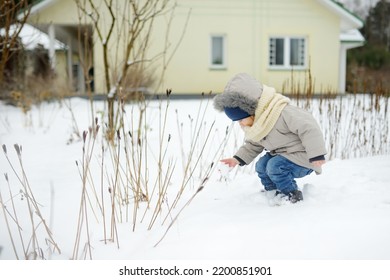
[(12, 23)]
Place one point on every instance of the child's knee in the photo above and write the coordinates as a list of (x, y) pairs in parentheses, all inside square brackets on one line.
[(261, 166), (274, 167)]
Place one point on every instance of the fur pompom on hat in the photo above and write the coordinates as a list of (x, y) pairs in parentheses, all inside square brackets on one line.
[(242, 91)]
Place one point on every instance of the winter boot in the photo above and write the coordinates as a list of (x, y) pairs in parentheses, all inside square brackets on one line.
[(295, 196), (280, 198)]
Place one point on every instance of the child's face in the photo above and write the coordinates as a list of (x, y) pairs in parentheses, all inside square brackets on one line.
[(247, 122)]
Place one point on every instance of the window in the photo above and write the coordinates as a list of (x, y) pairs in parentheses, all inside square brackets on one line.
[(217, 56), (287, 52)]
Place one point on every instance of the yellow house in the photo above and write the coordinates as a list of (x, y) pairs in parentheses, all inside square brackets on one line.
[(292, 45)]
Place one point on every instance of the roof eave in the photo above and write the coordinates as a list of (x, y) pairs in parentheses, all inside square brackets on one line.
[(348, 19), (352, 39), (39, 6)]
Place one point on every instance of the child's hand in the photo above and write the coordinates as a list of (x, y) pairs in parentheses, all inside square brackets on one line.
[(318, 163), (224, 170), (231, 162)]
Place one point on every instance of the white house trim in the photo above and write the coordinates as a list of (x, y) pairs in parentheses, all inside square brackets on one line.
[(40, 6), (32, 37), (348, 20), (352, 36)]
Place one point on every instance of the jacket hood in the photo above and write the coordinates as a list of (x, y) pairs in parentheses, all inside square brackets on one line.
[(242, 91)]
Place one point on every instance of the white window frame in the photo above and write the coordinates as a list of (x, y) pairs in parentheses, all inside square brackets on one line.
[(286, 54), (223, 64)]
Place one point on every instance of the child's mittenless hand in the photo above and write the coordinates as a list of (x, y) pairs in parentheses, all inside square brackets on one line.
[(231, 162), (318, 163)]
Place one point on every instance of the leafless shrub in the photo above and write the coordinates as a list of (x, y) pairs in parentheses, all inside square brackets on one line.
[(134, 181), (354, 125)]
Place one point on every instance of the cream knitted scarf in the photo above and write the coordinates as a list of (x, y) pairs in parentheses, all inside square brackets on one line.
[(268, 110)]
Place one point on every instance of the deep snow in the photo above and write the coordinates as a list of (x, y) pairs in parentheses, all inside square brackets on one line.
[(345, 213)]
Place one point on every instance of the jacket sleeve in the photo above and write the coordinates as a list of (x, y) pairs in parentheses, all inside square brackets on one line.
[(304, 125), (248, 152)]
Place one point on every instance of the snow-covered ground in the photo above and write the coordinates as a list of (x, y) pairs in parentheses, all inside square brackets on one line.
[(345, 214)]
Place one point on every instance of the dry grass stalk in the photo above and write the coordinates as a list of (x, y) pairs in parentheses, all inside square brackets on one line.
[(32, 249), (15, 219), (200, 188), (88, 149)]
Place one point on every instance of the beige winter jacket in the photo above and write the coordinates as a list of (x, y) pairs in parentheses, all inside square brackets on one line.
[(296, 136)]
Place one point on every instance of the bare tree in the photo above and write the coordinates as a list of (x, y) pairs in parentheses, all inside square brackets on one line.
[(129, 25), (377, 29), (13, 15)]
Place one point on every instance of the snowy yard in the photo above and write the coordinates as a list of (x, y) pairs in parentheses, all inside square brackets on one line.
[(345, 214)]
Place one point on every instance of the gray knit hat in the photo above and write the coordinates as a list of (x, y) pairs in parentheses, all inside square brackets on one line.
[(242, 91)]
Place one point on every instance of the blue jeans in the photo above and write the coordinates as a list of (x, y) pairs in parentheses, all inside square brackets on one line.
[(277, 172)]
